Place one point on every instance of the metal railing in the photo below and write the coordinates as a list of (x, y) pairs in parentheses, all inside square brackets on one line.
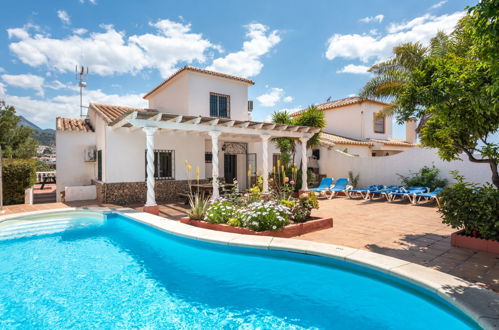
[(40, 176)]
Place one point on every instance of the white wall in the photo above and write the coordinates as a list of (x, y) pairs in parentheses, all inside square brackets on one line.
[(172, 98), (200, 87), (384, 170), (72, 170), (126, 153), (356, 121)]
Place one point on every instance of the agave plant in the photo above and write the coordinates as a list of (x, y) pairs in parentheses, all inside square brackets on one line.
[(199, 205)]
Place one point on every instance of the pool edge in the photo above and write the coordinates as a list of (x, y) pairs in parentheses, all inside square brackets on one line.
[(480, 304)]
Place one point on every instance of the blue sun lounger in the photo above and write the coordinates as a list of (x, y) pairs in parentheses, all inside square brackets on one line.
[(363, 192), (324, 186), (382, 192), (340, 185), (408, 193), (433, 195)]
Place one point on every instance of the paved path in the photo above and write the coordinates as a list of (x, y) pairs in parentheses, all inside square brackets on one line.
[(404, 231)]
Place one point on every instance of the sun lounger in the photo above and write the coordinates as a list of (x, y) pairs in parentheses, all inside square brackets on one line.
[(324, 186), (363, 191), (340, 185), (428, 196), (408, 193), (382, 192)]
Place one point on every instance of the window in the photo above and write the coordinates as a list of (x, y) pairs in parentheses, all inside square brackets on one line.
[(208, 157), (219, 105), (164, 164), (379, 123), (316, 153)]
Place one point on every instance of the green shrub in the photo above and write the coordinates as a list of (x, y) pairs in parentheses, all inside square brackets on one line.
[(220, 212), (426, 177), (353, 179), (262, 215), (302, 208), (199, 205), (472, 208), (18, 175)]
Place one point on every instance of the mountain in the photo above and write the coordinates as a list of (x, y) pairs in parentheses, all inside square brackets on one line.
[(46, 137)]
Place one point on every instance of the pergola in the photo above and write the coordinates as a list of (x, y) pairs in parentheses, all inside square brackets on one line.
[(150, 121)]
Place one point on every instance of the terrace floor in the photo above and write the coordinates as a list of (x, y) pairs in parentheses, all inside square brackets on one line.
[(400, 230)]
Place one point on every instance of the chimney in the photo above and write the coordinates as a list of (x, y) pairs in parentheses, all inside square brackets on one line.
[(410, 130)]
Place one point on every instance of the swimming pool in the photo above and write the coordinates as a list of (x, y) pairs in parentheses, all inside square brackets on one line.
[(88, 270)]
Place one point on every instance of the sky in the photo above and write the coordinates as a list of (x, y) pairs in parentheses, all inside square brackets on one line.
[(298, 52)]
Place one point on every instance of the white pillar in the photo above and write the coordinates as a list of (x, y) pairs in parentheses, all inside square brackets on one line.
[(151, 198), (214, 162), (265, 162), (304, 163)]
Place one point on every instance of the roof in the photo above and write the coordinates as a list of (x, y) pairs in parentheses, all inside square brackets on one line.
[(341, 103), (204, 71), (332, 139), (394, 142), (110, 113), (73, 125), (328, 139)]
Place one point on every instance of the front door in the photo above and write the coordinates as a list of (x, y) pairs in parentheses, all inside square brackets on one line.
[(230, 167)]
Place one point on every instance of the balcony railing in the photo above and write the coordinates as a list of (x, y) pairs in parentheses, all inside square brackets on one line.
[(40, 176)]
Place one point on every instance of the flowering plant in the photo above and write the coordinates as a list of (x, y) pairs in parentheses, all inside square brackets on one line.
[(220, 211), (264, 215)]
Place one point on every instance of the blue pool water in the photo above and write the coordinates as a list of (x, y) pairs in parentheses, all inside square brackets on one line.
[(112, 272)]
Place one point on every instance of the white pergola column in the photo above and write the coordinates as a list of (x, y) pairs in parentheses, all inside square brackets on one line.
[(214, 163), (265, 162), (304, 163), (151, 198)]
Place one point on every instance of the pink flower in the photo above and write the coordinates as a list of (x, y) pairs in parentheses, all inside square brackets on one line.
[(286, 179), (304, 195), (271, 180), (291, 182)]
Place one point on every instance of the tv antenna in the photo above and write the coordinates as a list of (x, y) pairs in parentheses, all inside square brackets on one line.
[(81, 74)]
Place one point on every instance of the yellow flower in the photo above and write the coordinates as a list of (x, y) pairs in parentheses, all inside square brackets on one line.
[(249, 172), (189, 167), (198, 175), (186, 162)]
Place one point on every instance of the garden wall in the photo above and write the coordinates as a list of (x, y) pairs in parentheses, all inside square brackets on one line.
[(384, 170)]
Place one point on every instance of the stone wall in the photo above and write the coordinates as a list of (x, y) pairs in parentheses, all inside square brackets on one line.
[(128, 193)]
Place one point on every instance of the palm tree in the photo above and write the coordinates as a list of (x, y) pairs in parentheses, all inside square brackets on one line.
[(286, 146), (312, 117)]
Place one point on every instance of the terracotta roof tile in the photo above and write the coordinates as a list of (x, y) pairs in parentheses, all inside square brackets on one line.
[(194, 69), (111, 113), (332, 139), (73, 125), (394, 142), (340, 103)]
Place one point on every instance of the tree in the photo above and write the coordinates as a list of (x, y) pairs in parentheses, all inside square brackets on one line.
[(449, 86), (311, 117), (16, 141)]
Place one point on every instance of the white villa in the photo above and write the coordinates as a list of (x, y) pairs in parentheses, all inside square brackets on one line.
[(196, 115)]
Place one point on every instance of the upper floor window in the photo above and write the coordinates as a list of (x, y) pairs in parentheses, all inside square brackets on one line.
[(219, 105), (379, 123)]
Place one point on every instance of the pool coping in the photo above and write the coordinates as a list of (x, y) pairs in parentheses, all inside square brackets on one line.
[(480, 304)]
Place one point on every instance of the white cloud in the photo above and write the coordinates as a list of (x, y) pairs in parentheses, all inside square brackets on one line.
[(376, 19), (25, 81), (355, 69), (438, 4), (274, 96), (367, 47), (111, 52), (91, 1), (44, 111), (2, 89), (80, 31), (63, 16), (246, 62)]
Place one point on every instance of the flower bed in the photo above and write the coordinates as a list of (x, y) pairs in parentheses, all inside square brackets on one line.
[(459, 239), (291, 230)]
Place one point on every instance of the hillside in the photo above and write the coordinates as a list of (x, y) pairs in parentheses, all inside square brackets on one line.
[(44, 136)]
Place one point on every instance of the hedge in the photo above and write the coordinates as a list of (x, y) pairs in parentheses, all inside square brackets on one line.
[(18, 175)]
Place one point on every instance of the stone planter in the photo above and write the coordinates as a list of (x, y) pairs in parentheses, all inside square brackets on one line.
[(292, 230), (458, 239)]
